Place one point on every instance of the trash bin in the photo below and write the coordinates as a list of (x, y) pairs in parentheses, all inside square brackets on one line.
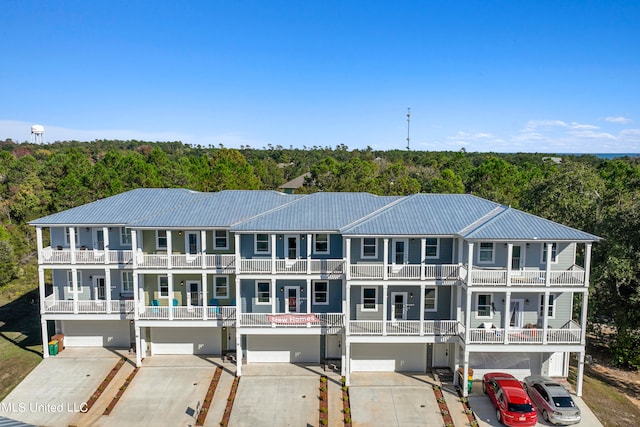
[(60, 339), (53, 348), (469, 379)]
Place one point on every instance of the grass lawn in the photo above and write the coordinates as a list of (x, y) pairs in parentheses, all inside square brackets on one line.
[(604, 397), (20, 335)]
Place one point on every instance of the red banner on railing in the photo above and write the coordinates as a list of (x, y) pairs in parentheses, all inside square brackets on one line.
[(292, 319)]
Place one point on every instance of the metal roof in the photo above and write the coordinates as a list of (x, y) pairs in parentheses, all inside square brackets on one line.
[(123, 208), (512, 224), (425, 214), (318, 212), (221, 209)]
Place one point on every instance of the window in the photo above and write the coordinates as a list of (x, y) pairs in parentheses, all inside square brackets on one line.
[(485, 254), (67, 235), (221, 239), (125, 236), (484, 306), (321, 292), (78, 281), (127, 281), (554, 253), (161, 239), (321, 243), (369, 247), (263, 292), (221, 287), (432, 247), (262, 244), (369, 299), (552, 306), (163, 287), (430, 299)]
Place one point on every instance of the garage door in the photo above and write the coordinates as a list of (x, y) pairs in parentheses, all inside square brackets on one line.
[(388, 358), (96, 333), (185, 341), (520, 365), (286, 349)]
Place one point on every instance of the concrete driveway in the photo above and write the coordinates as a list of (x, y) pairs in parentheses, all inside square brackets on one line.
[(54, 392), (486, 412), (395, 399)]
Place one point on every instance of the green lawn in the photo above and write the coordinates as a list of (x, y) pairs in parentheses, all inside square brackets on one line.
[(20, 335)]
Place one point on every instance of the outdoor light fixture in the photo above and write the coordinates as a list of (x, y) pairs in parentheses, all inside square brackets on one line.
[(411, 295), (281, 289), (181, 283)]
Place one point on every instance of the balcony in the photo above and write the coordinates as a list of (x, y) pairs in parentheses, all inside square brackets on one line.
[(226, 315), (54, 306), (573, 276), (51, 255), (406, 327), (332, 322), (448, 273), (296, 266), (568, 334), (219, 262)]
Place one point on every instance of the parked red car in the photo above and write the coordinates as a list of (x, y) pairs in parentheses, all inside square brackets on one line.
[(513, 405)]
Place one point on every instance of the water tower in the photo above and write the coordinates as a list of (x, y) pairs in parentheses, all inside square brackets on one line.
[(37, 134)]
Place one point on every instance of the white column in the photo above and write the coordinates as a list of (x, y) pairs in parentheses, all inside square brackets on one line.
[(309, 236), (169, 253), (506, 315), (41, 285), (238, 353), (545, 317), (470, 265), (138, 347), (460, 251), (347, 259), (309, 296), (583, 317), (458, 311), (138, 297), (274, 306), (587, 264), (347, 364), (238, 305), (423, 255), (45, 338), (347, 307), (467, 317), (580, 373), (74, 286), (385, 259), (134, 248), (509, 256), (547, 279), (39, 243), (205, 296), (420, 305), (236, 244), (385, 291), (105, 233), (273, 253), (203, 247), (465, 374), (107, 287), (170, 285), (72, 244)]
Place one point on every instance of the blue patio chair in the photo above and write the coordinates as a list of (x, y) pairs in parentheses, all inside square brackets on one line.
[(215, 304), (175, 302), (155, 303)]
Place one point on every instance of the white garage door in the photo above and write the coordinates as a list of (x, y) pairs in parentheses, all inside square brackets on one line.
[(520, 365), (96, 333), (286, 349), (388, 358), (185, 341)]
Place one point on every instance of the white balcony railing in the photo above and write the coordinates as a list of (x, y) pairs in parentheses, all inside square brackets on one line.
[(222, 263), (53, 306), (331, 321), (217, 313), (51, 255), (367, 271), (486, 336), (447, 272), (255, 265), (480, 276), (405, 327)]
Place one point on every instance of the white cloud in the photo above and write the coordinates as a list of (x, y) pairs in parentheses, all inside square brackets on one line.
[(617, 119), (544, 124), (575, 125)]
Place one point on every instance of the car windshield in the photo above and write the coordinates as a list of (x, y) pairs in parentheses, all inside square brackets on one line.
[(564, 402), (520, 407)]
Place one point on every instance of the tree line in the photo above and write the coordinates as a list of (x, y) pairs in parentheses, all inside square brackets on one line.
[(600, 196)]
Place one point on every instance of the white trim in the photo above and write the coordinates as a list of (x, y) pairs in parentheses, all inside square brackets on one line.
[(314, 301), (519, 313), (104, 288), (226, 233), (67, 235), (160, 289), (426, 244), (94, 239), (405, 254), (552, 306), (268, 302), (286, 298), (491, 305), (286, 245), (435, 299), (78, 280), (493, 252), (158, 246), (186, 243), (123, 243), (187, 290), (122, 281), (362, 245), (315, 239), (255, 244), (375, 290), (404, 305), (226, 286), (543, 250)]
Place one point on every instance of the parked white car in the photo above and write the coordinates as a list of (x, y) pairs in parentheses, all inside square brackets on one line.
[(552, 400)]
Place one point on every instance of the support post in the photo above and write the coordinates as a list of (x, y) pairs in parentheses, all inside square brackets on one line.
[(465, 374), (238, 353), (138, 347), (107, 287), (45, 338), (385, 259), (385, 292), (580, 377), (205, 296)]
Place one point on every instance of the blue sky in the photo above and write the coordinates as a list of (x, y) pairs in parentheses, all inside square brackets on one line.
[(504, 76)]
